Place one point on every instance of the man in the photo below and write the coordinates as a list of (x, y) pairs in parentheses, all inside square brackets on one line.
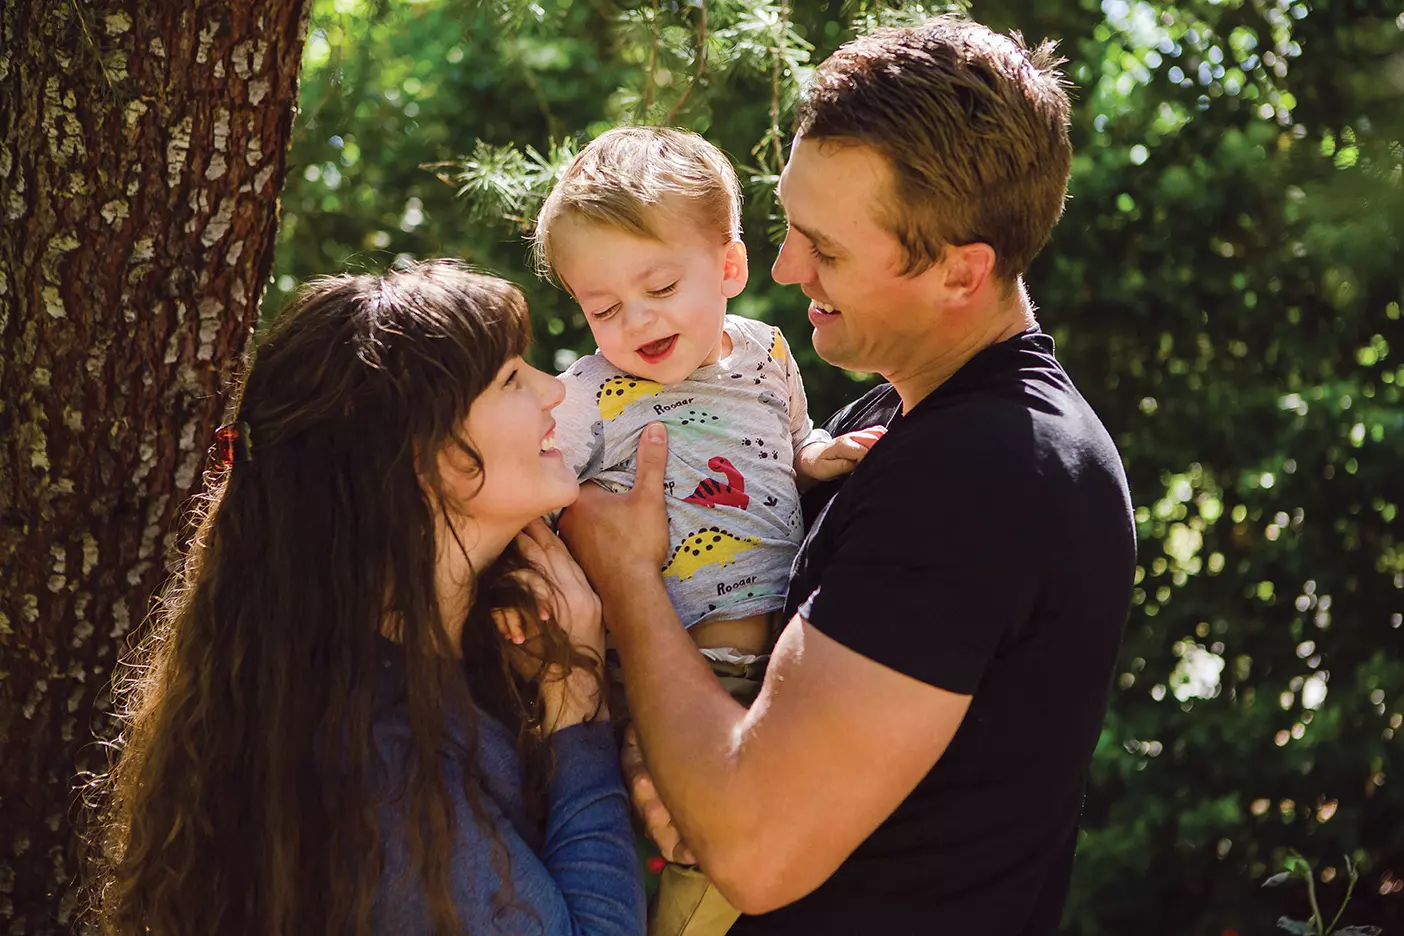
[(916, 759)]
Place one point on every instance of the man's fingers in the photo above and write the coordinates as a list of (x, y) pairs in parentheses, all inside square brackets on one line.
[(652, 460), (591, 494)]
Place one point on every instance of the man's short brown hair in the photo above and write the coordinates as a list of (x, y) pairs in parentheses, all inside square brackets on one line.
[(973, 124), (623, 176)]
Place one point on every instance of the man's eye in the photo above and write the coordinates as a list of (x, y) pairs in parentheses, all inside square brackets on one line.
[(511, 378), (665, 291)]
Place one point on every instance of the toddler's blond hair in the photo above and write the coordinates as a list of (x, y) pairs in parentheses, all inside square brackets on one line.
[(620, 179)]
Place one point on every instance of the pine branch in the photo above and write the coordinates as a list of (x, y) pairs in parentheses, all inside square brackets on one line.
[(649, 80), (780, 33), (701, 64)]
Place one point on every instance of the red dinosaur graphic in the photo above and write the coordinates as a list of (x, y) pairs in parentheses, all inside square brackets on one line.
[(712, 493)]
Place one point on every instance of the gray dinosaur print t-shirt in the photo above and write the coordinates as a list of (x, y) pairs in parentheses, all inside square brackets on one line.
[(734, 427)]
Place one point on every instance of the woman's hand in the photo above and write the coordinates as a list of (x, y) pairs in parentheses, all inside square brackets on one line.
[(562, 592)]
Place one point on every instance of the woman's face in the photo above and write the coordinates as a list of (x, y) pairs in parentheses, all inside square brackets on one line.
[(509, 425)]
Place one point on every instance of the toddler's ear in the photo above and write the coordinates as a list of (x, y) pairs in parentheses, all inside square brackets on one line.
[(735, 272)]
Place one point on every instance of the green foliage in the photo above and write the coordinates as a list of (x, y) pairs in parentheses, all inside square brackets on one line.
[(1225, 286), (1299, 869)]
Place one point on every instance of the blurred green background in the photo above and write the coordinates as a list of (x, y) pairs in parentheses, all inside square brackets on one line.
[(1225, 287)]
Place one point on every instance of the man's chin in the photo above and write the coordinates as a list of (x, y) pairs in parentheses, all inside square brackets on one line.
[(833, 354)]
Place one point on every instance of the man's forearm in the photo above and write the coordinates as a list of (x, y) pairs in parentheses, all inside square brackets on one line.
[(688, 725)]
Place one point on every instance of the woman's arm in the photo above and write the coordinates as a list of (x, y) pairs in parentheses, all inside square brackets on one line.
[(582, 880), (589, 847)]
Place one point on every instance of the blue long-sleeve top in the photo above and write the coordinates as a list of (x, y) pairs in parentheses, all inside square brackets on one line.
[(579, 875)]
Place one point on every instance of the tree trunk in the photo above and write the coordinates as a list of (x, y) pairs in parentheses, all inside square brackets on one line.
[(142, 149)]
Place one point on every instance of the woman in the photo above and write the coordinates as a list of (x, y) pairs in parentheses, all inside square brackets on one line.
[(371, 703)]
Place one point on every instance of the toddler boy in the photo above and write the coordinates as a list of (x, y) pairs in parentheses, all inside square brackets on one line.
[(643, 230)]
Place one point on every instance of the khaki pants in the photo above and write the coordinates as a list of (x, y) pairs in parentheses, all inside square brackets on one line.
[(687, 902)]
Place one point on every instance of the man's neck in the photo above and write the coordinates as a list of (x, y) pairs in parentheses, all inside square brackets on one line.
[(949, 349)]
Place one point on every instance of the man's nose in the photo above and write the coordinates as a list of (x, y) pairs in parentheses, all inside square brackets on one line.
[(788, 268)]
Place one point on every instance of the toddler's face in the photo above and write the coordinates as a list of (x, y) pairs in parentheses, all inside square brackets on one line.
[(656, 308)]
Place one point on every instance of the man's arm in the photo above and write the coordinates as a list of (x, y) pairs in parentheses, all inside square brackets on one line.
[(771, 799)]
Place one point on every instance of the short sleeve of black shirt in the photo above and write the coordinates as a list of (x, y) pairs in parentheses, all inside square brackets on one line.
[(928, 530)]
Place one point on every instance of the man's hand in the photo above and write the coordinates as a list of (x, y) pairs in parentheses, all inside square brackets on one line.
[(617, 537), (824, 461), (658, 822)]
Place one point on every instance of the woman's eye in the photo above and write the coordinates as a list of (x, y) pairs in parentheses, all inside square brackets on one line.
[(820, 255), (665, 291), (605, 313)]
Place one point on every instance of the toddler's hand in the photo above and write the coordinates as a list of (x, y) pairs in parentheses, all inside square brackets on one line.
[(827, 460)]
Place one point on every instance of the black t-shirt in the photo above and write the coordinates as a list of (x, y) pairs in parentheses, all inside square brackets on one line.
[(985, 546)]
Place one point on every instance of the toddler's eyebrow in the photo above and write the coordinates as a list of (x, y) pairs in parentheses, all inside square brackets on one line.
[(650, 271)]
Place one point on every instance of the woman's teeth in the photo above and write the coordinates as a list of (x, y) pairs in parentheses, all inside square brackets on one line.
[(824, 307), (548, 444)]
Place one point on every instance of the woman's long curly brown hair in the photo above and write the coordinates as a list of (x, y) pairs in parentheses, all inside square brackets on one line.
[(243, 797)]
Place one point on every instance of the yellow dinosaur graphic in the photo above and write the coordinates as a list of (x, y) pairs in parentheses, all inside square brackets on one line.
[(710, 546), (618, 392), (777, 347)]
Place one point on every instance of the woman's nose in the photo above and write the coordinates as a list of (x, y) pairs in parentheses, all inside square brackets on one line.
[(551, 390)]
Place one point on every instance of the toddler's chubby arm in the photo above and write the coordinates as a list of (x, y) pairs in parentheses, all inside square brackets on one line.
[(819, 456)]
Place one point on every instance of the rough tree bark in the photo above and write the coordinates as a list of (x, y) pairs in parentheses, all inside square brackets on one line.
[(142, 150)]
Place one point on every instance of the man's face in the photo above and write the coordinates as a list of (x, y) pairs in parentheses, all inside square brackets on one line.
[(867, 316)]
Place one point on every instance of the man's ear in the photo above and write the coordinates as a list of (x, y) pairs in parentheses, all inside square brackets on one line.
[(735, 271), (967, 269)]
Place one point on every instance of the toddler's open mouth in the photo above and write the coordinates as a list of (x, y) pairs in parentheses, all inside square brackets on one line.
[(655, 351)]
